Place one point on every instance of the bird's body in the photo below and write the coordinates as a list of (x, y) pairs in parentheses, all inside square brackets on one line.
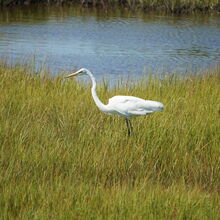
[(125, 106), (130, 106)]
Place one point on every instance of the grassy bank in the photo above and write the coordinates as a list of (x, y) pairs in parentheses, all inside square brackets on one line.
[(60, 158), (174, 6)]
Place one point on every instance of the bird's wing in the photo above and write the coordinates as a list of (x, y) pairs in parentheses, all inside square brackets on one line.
[(130, 105), (124, 99)]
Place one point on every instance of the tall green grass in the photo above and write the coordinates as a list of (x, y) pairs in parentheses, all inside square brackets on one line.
[(60, 158)]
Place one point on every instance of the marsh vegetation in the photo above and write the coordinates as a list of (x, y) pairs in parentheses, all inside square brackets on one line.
[(63, 159), (173, 6)]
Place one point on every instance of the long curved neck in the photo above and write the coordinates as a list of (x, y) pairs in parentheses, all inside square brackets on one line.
[(98, 102)]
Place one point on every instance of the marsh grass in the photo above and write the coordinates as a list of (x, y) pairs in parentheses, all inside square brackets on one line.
[(60, 158)]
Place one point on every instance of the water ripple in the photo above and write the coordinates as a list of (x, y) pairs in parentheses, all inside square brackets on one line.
[(111, 43)]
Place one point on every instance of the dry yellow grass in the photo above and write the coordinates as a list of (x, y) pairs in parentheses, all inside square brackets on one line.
[(60, 158)]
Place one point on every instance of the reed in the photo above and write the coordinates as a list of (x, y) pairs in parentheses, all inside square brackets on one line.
[(63, 159), (173, 6)]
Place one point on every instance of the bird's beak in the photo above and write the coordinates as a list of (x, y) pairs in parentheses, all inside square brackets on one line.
[(72, 74)]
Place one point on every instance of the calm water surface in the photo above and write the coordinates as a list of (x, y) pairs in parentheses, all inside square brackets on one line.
[(110, 43)]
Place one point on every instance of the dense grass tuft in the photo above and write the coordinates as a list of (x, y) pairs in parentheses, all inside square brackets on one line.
[(63, 159)]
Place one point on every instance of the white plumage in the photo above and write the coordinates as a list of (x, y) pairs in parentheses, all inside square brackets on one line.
[(129, 106), (125, 106)]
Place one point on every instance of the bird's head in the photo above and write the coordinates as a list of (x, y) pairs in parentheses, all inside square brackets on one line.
[(80, 72)]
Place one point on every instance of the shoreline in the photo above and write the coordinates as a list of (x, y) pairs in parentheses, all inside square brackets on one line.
[(174, 7)]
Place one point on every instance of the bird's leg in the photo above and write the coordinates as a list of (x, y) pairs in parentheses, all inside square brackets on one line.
[(128, 126), (131, 128)]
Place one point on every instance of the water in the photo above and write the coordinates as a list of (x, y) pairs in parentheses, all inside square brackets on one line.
[(110, 43)]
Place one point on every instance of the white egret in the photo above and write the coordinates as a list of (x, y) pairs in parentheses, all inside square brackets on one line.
[(125, 106)]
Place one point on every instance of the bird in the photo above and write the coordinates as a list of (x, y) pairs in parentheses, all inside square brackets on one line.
[(125, 106)]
